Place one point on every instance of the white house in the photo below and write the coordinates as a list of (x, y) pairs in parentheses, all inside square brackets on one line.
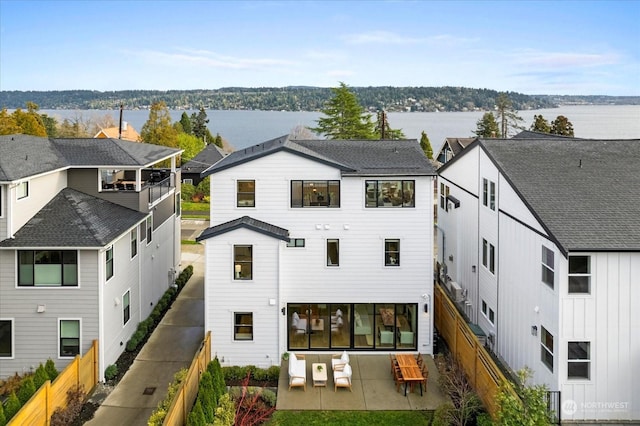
[(319, 245), (539, 241), (89, 241)]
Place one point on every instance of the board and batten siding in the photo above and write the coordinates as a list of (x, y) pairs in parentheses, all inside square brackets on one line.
[(36, 334), (225, 296), (609, 319), (361, 276)]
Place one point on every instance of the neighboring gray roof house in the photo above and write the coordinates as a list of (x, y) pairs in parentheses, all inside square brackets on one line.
[(451, 148), (210, 155), (353, 157)]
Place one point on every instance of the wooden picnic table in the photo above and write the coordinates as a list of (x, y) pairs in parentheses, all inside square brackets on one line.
[(410, 370)]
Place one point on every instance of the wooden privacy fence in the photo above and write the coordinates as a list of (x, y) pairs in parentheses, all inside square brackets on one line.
[(482, 372), (83, 371), (186, 395)]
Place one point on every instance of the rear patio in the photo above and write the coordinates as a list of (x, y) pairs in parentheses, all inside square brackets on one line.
[(372, 386)]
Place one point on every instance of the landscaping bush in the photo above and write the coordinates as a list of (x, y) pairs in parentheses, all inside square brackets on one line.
[(273, 373), (111, 372), (27, 389), (159, 414), (66, 416), (196, 416), (10, 384), (40, 376), (12, 406), (226, 412), (187, 191), (52, 372), (3, 419)]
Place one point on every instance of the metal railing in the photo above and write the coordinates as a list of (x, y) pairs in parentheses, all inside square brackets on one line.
[(158, 190)]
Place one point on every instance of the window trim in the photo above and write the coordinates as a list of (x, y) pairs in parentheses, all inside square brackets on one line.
[(126, 308), (388, 259), (79, 320), (296, 243), (237, 264), (108, 260), (26, 185), (551, 269), (238, 192), (237, 326), (149, 229), (12, 337), (33, 273), (133, 246), (337, 242), (544, 348), (400, 195), (579, 361), (587, 275)]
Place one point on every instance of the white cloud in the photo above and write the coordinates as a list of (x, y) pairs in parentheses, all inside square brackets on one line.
[(387, 37), (340, 73), (561, 60), (210, 59)]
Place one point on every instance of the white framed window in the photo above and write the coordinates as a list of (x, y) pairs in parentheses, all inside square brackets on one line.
[(548, 266), (489, 194), (333, 252), (488, 256), (108, 261), (126, 307), (546, 348), (579, 360), (69, 332), (133, 235), (22, 190), (243, 262), (243, 326), (492, 316), (149, 229), (484, 308), (7, 342), (296, 242), (246, 195), (580, 274), (392, 252), (444, 192), (187, 181)]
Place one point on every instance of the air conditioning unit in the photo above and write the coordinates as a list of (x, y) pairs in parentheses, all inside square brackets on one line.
[(456, 291)]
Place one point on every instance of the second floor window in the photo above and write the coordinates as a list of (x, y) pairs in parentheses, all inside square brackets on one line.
[(243, 262), (134, 242), (391, 252), (315, 193), (489, 194), (333, 252), (109, 262), (22, 190), (546, 348), (444, 192), (390, 193), (43, 268), (547, 266), (246, 193), (580, 274), (488, 256)]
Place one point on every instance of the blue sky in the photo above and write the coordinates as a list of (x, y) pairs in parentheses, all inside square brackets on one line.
[(532, 47)]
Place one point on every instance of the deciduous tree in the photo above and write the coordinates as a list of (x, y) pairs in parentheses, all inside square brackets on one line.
[(425, 144), (344, 117), (158, 129), (8, 125), (527, 409), (562, 126), (487, 126), (191, 145)]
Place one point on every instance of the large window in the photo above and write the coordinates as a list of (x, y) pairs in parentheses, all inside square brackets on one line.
[(47, 268), (391, 252), (246, 193), (546, 348), (69, 337), (315, 193), (579, 360), (126, 307), (580, 274), (243, 262), (333, 252), (108, 262), (6, 338), (134, 242), (390, 193), (489, 194), (243, 326), (548, 266), (22, 190)]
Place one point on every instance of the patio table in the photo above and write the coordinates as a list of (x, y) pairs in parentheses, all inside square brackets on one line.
[(410, 370)]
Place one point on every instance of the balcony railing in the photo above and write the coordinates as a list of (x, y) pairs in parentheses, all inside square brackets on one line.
[(159, 189)]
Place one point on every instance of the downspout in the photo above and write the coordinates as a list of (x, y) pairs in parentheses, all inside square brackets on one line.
[(101, 324)]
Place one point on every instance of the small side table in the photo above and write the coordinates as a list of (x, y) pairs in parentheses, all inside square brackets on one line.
[(319, 376)]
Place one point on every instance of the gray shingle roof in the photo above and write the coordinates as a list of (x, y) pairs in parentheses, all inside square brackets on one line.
[(210, 155), (458, 144), (75, 219), (586, 192), (23, 156), (248, 223), (352, 157)]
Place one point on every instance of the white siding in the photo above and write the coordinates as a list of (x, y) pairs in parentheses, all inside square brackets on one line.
[(609, 319), (41, 191)]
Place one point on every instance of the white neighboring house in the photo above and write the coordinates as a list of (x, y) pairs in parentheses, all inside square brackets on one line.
[(319, 245), (542, 236), (89, 241)]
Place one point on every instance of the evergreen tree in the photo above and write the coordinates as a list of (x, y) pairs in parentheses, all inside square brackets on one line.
[(40, 376), (384, 131), (540, 124), (158, 129), (508, 116), (218, 141), (12, 406), (26, 391), (3, 419), (51, 125), (185, 122), (207, 397), (196, 416), (199, 126), (52, 372), (487, 126), (425, 144), (562, 126), (344, 117)]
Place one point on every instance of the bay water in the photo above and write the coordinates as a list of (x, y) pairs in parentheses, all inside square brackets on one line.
[(243, 128)]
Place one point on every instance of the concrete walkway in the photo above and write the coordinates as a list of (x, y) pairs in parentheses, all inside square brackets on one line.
[(372, 386), (171, 347)]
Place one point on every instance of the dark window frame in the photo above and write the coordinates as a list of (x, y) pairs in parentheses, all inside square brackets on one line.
[(579, 274), (322, 194), (7, 346), (296, 242), (391, 254), (242, 262), (330, 262), (247, 196), (240, 328), (65, 257), (65, 341), (546, 348), (401, 195)]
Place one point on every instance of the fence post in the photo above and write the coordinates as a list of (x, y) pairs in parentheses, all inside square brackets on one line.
[(48, 402)]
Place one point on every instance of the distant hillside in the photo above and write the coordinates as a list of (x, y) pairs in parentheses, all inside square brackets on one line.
[(297, 99)]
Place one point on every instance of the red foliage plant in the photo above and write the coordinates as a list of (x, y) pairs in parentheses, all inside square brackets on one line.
[(251, 408)]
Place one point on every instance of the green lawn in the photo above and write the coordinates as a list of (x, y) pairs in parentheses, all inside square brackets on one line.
[(191, 206), (351, 418)]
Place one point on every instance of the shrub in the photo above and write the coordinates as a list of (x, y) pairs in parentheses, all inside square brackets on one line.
[(273, 373), (207, 396), (27, 389), (3, 419), (111, 372), (196, 416), (12, 406), (159, 414), (226, 412), (66, 416), (10, 384), (133, 343), (269, 397), (40, 376), (52, 372), (187, 191)]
